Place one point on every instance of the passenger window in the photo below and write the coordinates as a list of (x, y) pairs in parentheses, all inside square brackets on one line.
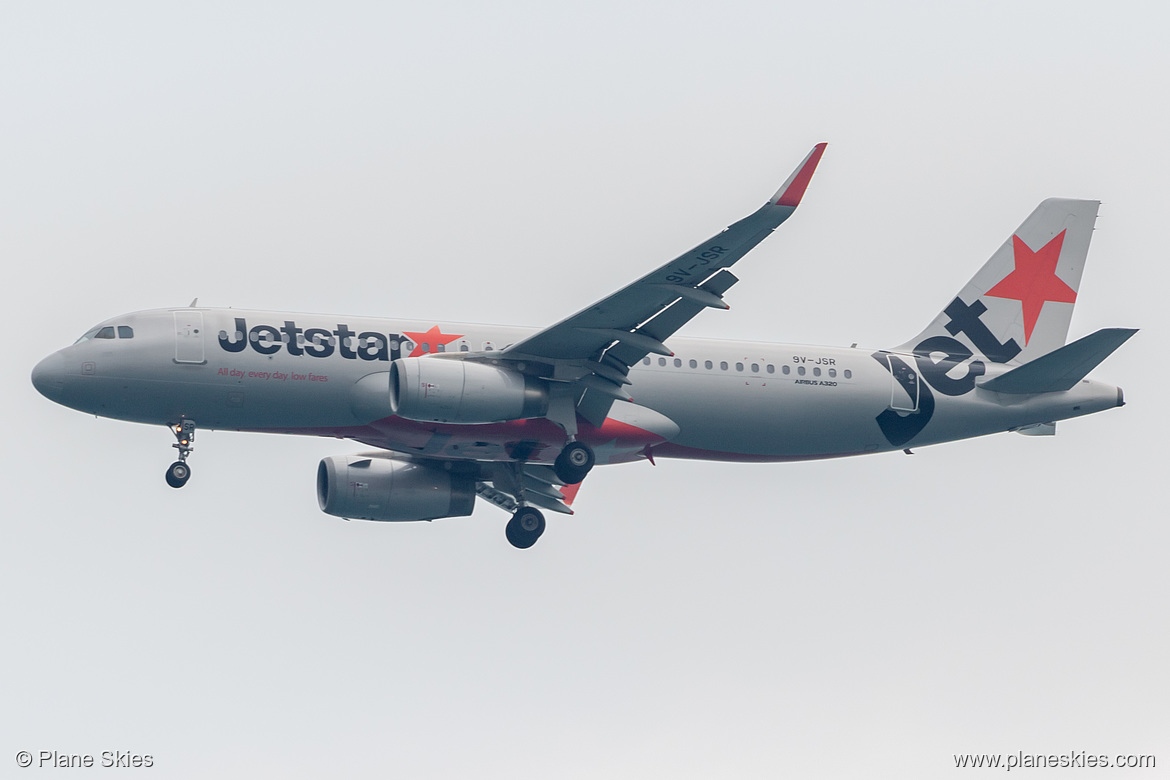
[(646, 361), (407, 346), (832, 372), (426, 347), (786, 370), (755, 368), (677, 363), (708, 365), (125, 332), (463, 348), (848, 374), (739, 366), (816, 372), (662, 361), (440, 347), (771, 369), (800, 370), (105, 333), (723, 365), (694, 364)]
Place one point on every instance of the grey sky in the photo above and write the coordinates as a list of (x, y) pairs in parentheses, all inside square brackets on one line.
[(511, 162)]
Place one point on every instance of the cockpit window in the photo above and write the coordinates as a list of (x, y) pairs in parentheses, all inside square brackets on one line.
[(107, 332)]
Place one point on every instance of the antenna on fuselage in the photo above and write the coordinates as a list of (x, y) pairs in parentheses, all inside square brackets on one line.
[(193, 302)]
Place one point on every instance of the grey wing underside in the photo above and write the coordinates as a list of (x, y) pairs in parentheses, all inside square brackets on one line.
[(595, 348)]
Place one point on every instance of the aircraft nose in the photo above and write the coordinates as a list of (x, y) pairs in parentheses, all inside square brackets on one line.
[(48, 377)]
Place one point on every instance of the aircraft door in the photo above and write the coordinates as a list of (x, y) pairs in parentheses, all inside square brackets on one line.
[(904, 385), (189, 336)]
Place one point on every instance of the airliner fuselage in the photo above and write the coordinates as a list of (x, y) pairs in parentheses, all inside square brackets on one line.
[(231, 369)]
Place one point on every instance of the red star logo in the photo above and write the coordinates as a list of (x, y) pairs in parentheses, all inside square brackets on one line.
[(430, 340), (1034, 282)]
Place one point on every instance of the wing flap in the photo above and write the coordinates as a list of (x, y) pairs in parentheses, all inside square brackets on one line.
[(670, 319), (540, 485)]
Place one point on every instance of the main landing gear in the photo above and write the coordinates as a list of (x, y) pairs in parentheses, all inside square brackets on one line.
[(527, 523), (179, 472), (525, 527), (574, 462)]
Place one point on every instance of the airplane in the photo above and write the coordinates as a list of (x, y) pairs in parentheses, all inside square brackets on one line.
[(518, 417)]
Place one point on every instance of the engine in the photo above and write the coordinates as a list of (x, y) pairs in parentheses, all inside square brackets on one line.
[(462, 391), (391, 490)]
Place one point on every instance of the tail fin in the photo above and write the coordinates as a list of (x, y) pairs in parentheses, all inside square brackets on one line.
[(1019, 305)]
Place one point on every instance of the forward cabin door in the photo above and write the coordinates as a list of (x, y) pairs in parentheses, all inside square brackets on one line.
[(189, 336)]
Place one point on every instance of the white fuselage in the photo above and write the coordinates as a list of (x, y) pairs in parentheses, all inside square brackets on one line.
[(326, 375)]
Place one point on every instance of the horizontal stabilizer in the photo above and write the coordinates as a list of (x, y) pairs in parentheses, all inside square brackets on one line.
[(1062, 368)]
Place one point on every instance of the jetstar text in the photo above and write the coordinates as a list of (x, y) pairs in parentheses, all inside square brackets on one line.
[(314, 342), (899, 427)]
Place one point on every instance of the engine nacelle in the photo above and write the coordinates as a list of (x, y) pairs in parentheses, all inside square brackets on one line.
[(391, 490), (461, 391)]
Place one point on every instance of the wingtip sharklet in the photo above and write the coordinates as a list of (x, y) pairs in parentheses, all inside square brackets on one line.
[(792, 190)]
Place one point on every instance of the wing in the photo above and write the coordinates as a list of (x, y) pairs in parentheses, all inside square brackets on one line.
[(594, 348), (697, 279)]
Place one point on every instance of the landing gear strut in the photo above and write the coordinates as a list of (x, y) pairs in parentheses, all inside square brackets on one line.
[(179, 472), (574, 462), (525, 527)]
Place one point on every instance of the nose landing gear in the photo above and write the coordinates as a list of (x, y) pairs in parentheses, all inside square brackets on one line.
[(179, 472)]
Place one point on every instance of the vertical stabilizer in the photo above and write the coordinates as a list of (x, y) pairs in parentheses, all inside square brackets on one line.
[(1019, 305)]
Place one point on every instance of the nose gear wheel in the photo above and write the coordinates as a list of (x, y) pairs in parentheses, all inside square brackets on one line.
[(178, 473)]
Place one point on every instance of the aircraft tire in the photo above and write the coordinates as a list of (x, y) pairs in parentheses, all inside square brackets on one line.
[(525, 527), (178, 473), (574, 462)]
